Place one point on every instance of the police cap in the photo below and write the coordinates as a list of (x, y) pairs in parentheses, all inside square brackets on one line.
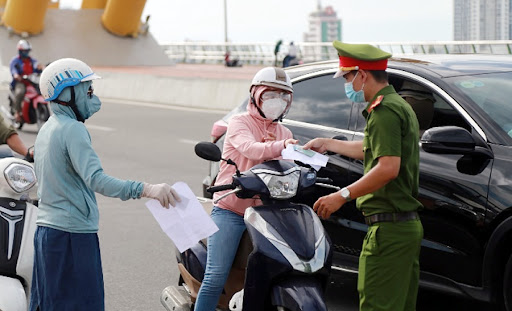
[(359, 56)]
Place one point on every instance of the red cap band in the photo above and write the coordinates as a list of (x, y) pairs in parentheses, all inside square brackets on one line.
[(349, 62)]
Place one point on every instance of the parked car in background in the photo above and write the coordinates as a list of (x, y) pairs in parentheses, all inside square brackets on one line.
[(464, 108)]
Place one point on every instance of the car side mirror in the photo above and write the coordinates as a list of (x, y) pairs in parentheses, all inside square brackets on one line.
[(208, 151), (448, 140)]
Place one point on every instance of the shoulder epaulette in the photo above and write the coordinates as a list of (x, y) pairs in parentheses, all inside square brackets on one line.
[(375, 103)]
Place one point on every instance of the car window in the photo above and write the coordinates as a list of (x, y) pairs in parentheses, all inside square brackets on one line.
[(430, 108), (321, 100), (492, 93)]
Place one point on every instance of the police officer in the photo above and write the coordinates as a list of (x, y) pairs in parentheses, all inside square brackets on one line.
[(387, 192), (9, 136)]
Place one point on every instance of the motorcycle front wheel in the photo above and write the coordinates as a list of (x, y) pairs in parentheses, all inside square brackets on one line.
[(17, 125), (42, 115)]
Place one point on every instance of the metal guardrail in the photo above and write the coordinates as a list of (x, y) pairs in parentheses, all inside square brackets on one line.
[(262, 53)]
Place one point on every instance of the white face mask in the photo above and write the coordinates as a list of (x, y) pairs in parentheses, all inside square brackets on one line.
[(273, 108)]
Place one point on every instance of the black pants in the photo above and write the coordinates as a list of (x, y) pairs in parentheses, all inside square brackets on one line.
[(19, 93)]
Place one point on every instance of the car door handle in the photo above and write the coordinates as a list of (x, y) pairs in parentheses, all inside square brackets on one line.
[(338, 137)]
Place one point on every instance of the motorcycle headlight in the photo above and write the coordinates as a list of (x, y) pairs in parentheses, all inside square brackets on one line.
[(280, 185), (20, 177)]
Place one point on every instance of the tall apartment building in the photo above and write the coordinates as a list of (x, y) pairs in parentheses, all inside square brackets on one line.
[(482, 20), (324, 25)]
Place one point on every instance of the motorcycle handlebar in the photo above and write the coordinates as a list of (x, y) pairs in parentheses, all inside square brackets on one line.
[(324, 180), (213, 189)]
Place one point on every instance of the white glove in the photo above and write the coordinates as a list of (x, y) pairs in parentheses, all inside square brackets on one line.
[(161, 192)]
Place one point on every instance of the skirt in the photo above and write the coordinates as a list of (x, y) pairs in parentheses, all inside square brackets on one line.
[(67, 272)]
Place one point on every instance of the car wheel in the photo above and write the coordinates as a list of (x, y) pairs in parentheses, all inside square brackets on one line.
[(507, 286)]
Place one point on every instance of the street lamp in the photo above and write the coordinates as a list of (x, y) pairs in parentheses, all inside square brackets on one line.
[(226, 24)]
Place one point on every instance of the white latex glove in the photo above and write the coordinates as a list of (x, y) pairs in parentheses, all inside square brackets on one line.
[(164, 193)]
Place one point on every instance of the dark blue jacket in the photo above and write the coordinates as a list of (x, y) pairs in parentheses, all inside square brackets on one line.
[(17, 67)]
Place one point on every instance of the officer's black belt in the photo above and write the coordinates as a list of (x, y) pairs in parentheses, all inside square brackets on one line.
[(391, 217)]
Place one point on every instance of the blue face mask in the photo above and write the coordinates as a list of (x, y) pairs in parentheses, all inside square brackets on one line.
[(356, 97), (94, 104), (87, 103), (24, 53)]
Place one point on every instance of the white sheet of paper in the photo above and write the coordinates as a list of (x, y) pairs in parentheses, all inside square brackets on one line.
[(317, 161), (187, 223)]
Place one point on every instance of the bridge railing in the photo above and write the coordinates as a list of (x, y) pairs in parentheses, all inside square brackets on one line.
[(262, 53)]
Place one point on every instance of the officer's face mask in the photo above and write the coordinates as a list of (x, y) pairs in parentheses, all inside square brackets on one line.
[(356, 97)]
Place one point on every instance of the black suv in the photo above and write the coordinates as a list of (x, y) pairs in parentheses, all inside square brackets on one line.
[(464, 108)]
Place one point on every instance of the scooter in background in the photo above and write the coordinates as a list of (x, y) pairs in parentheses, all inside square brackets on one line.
[(34, 109), (17, 228), (284, 258)]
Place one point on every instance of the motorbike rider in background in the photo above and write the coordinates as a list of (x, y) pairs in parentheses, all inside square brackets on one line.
[(67, 271), (22, 64), (251, 138)]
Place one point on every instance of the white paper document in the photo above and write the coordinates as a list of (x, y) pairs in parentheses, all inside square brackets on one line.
[(313, 158), (185, 224)]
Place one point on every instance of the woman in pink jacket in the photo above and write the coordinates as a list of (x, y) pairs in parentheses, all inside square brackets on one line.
[(251, 138)]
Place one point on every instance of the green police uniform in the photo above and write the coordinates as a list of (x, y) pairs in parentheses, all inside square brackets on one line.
[(389, 260), (6, 130)]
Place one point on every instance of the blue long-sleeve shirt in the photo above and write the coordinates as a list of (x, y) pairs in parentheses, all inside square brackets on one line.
[(69, 172)]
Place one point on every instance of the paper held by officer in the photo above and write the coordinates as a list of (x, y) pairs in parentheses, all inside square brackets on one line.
[(306, 156)]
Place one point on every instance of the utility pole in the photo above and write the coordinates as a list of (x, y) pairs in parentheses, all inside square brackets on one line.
[(226, 24)]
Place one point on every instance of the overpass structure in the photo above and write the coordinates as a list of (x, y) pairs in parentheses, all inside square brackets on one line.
[(135, 67), (102, 33), (262, 53), (119, 17)]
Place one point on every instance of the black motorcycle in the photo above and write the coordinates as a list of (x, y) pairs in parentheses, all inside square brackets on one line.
[(284, 258)]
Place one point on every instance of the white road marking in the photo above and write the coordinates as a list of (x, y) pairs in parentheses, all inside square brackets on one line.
[(99, 128), (188, 141), (162, 106)]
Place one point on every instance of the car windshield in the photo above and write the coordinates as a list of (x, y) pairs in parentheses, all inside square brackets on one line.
[(492, 93)]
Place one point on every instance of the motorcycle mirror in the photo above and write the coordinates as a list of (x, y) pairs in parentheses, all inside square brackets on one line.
[(208, 151)]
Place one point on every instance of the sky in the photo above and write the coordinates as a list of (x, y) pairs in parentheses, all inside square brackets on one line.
[(271, 20)]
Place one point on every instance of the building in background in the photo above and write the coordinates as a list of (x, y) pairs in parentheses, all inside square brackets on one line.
[(482, 20), (324, 26)]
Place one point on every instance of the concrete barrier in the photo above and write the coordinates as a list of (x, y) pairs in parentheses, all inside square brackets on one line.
[(193, 86), (184, 92)]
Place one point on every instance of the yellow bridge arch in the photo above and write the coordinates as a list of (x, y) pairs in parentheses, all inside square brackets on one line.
[(120, 17)]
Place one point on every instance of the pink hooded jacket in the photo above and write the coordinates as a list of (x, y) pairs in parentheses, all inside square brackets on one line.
[(244, 144)]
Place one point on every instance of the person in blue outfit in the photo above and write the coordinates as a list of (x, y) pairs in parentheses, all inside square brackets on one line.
[(67, 265), (292, 54), (22, 64)]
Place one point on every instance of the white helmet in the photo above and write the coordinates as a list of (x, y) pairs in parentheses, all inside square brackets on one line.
[(274, 77), (63, 73), (23, 45)]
